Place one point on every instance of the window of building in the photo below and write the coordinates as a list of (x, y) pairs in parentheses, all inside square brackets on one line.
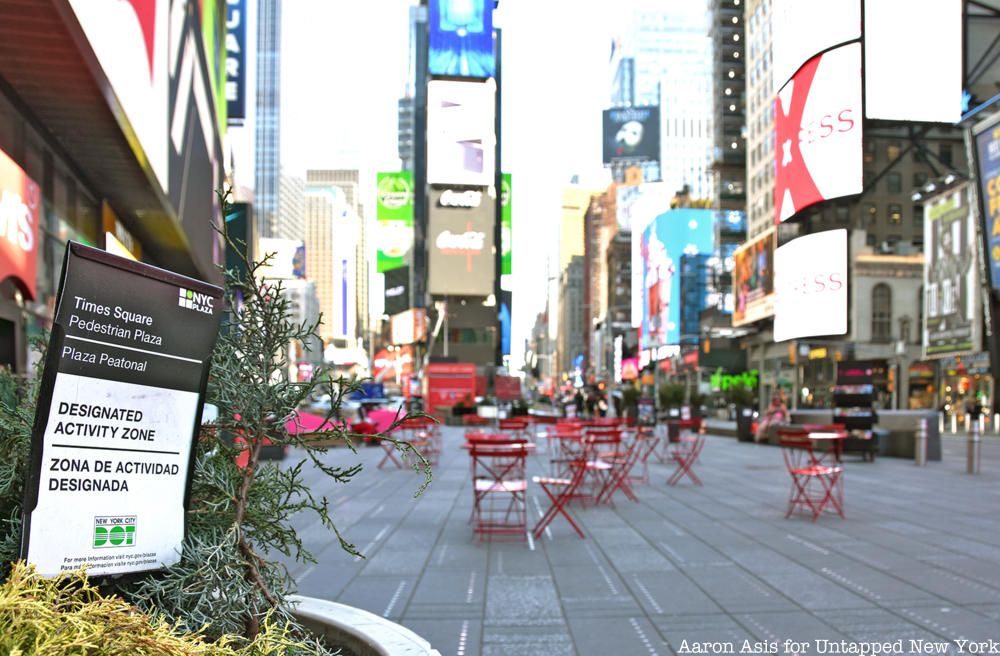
[(869, 239), (871, 211), (895, 213), (919, 179), (918, 215), (895, 183), (881, 313), (869, 175), (892, 150), (842, 213), (870, 150), (944, 153)]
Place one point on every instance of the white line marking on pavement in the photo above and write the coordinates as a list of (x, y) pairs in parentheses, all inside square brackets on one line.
[(463, 637), (395, 598), (645, 591), (642, 636), (470, 591), (444, 550), (368, 547), (807, 544)]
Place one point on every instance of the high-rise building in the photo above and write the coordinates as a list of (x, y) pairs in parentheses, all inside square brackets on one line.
[(571, 342), (268, 119), (729, 73), (405, 133), (759, 118), (348, 181), (330, 234), (291, 207)]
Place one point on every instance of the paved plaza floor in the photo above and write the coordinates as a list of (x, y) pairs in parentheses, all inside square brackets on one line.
[(916, 559)]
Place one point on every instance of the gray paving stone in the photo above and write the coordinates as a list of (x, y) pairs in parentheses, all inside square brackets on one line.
[(618, 635), (522, 601), (520, 640)]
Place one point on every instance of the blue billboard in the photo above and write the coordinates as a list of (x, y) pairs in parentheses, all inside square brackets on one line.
[(460, 38), (664, 242)]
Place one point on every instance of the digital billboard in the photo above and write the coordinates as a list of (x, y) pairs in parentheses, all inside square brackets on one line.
[(506, 224), (20, 211), (394, 219), (461, 137), (653, 200), (631, 134), (810, 286), (753, 280), (951, 283), (817, 119), (665, 240), (460, 38), (408, 327), (236, 60), (802, 28), (918, 78), (460, 242), (987, 137), (397, 290)]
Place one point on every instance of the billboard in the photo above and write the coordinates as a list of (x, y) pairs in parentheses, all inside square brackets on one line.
[(817, 119), (236, 60), (506, 224), (20, 208), (394, 219), (631, 134), (753, 280), (670, 236), (951, 297), (397, 290), (461, 137), (988, 166), (810, 286), (287, 258), (460, 242), (625, 199), (239, 238), (460, 38), (653, 199), (802, 28), (408, 327), (918, 78)]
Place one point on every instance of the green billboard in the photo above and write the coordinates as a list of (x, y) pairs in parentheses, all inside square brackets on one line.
[(505, 224), (394, 216)]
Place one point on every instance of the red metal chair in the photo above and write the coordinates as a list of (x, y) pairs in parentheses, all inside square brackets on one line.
[(561, 489), (815, 484), (685, 453), (619, 477), (499, 489), (650, 442)]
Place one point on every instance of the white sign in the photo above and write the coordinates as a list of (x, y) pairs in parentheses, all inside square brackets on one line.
[(810, 284), (802, 28), (461, 132)]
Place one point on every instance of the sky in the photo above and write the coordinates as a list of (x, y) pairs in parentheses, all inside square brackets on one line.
[(344, 66)]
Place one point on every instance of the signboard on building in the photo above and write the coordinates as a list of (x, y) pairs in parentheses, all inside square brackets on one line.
[(817, 121), (802, 28), (409, 327), (461, 132), (236, 60), (460, 242), (397, 290), (810, 286), (285, 258), (753, 280), (118, 414), (506, 224), (20, 211), (988, 163), (951, 280), (631, 134), (460, 38), (394, 216)]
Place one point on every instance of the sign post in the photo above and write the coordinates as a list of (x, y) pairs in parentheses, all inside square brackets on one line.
[(118, 415)]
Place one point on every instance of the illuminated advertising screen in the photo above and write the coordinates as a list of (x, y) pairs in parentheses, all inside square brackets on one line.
[(817, 119), (810, 286), (753, 280), (236, 60), (409, 327), (653, 200), (987, 136), (461, 141), (918, 78), (20, 208), (951, 297), (460, 242), (397, 290), (460, 38), (506, 224), (394, 219), (802, 28), (631, 134), (670, 236)]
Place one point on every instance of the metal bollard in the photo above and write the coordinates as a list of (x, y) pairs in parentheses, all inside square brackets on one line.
[(920, 448), (972, 452), (954, 424)]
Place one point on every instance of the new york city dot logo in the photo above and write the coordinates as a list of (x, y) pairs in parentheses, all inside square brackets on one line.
[(114, 531), (193, 300)]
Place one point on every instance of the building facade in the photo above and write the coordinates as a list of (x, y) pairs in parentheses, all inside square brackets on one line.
[(729, 124), (330, 259), (267, 141)]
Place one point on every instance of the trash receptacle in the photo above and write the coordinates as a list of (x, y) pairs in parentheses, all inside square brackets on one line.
[(744, 424)]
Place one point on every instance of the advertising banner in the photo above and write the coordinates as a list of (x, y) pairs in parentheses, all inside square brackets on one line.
[(394, 217), (988, 153), (409, 327), (460, 38), (625, 199), (239, 238), (506, 225), (286, 258), (20, 207), (631, 134), (397, 290), (810, 286), (951, 281), (817, 121), (236, 44), (460, 242), (461, 137), (118, 414), (670, 236), (753, 280), (802, 28)]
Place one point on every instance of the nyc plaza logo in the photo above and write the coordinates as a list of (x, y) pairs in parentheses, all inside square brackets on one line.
[(194, 301), (114, 531)]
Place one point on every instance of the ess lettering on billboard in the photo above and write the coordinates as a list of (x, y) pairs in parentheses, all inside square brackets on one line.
[(19, 217)]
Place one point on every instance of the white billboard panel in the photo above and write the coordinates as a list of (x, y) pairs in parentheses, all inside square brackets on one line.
[(810, 284), (802, 28), (461, 137), (913, 60)]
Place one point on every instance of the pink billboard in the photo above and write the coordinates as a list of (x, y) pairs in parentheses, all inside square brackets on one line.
[(20, 206)]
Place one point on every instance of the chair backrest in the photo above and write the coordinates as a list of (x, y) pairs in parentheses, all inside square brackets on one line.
[(796, 447), (499, 462), (694, 423), (512, 424), (488, 438)]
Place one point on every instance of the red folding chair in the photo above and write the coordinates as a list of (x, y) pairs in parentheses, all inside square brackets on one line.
[(560, 490), (815, 483), (650, 442), (619, 477), (499, 489), (685, 453)]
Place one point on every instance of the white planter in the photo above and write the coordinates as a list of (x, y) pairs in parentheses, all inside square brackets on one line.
[(362, 632)]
